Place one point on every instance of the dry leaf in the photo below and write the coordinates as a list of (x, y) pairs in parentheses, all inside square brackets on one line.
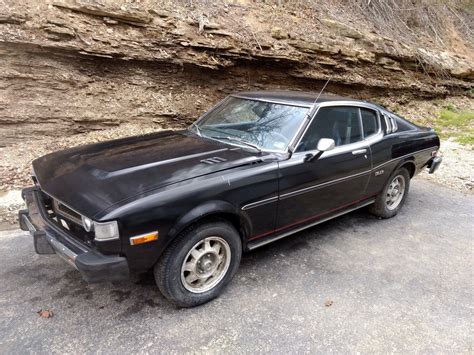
[(328, 303), (45, 313)]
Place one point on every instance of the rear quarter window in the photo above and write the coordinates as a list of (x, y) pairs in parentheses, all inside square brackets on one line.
[(369, 122), (403, 125)]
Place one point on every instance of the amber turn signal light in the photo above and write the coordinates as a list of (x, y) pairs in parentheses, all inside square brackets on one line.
[(144, 238)]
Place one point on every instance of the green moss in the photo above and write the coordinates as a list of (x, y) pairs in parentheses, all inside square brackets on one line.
[(450, 118), (455, 123), (467, 138)]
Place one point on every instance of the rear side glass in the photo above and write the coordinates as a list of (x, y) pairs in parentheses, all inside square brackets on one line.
[(403, 125), (369, 122), (383, 122)]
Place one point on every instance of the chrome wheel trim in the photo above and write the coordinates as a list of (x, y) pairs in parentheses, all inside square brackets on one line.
[(206, 264), (395, 192)]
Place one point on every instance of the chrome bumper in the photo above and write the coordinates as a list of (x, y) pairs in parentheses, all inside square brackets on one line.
[(45, 243), (50, 238), (434, 164)]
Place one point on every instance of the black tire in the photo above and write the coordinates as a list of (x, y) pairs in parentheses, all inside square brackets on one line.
[(168, 270), (381, 207)]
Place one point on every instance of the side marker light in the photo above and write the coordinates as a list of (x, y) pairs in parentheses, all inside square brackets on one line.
[(144, 238)]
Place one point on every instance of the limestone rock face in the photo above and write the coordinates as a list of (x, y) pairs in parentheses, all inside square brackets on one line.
[(72, 66), (342, 29)]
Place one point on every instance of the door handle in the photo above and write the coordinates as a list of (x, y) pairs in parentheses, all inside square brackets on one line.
[(359, 151)]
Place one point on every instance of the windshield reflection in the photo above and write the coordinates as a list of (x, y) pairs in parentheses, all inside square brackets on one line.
[(258, 124)]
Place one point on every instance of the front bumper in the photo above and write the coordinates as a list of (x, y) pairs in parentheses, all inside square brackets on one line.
[(50, 238)]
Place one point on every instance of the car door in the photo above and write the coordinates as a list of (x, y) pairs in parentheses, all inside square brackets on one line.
[(310, 189)]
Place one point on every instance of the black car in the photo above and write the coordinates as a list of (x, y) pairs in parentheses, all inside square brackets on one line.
[(257, 167)]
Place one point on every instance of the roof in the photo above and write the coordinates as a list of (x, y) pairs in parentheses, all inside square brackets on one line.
[(298, 98)]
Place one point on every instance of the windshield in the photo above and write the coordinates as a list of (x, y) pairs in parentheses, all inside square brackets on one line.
[(262, 125)]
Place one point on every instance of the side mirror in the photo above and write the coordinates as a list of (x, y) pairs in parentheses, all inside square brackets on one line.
[(324, 144)]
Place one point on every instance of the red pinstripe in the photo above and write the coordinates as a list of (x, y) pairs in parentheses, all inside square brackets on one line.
[(308, 218)]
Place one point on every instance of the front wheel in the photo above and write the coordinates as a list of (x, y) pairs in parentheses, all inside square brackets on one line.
[(393, 195), (199, 264)]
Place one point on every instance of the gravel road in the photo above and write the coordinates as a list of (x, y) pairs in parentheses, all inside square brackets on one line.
[(354, 284)]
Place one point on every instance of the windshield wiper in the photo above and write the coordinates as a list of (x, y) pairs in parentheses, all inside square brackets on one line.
[(239, 140), (198, 130)]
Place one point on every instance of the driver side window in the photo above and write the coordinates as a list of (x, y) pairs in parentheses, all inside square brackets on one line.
[(340, 123)]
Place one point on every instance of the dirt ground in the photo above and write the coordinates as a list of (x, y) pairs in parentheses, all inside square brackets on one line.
[(457, 169)]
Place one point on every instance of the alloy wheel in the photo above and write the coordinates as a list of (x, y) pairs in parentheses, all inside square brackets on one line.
[(205, 265), (395, 192)]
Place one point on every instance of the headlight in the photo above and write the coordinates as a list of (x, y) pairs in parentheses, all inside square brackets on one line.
[(106, 231), (87, 223)]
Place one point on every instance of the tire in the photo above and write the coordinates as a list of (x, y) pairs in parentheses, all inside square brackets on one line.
[(384, 208), (209, 251)]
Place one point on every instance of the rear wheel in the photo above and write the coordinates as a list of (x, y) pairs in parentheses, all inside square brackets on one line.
[(199, 264), (393, 195)]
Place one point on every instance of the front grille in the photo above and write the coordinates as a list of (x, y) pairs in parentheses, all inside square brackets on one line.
[(62, 210), (66, 218)]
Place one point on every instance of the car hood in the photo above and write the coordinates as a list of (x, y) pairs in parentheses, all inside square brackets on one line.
[(94, 177)]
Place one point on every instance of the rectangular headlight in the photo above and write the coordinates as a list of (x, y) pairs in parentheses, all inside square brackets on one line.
[(106, 231)]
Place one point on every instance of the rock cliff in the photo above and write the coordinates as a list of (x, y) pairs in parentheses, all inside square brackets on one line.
[(73, 66)]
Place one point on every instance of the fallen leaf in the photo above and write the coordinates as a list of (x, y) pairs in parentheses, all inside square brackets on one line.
[(45, 313), (328, 303)]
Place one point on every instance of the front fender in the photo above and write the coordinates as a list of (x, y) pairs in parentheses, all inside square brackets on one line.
[(208, 209)]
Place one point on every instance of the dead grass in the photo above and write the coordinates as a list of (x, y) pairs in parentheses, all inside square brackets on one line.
[(402, 20)]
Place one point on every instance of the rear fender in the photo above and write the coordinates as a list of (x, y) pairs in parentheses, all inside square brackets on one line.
[(408, 161), (409, 164)]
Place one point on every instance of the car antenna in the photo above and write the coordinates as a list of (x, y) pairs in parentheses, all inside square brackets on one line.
[(317, 97), (312, 110)]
